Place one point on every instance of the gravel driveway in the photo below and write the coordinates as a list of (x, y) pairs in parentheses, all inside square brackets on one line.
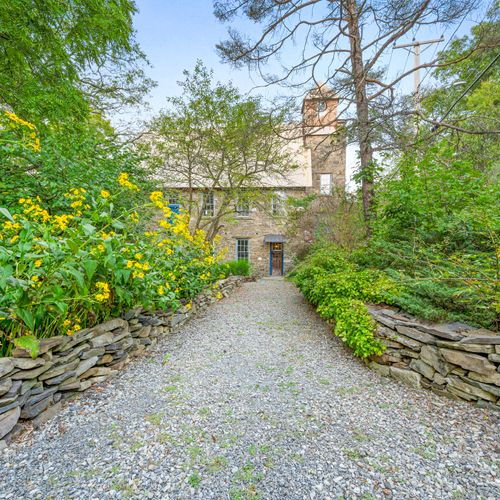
[(256, 399)]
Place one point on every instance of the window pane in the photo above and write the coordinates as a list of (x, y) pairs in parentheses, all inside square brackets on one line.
[(242, 249), (325, 183), (208, 204), (243, 208)]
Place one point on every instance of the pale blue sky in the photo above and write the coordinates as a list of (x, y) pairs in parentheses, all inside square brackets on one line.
[(175, 33)]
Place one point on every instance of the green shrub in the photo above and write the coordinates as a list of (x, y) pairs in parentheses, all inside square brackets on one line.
[(339, 288), (238, 267), (66, 271)]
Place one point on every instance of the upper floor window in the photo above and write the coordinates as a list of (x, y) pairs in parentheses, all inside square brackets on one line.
[(243, 208), (242, 251), (278, 203), (321, 106), (174, 198), (208, 204), (325, 183)]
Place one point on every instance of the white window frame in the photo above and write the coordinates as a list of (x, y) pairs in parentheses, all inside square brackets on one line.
[(325, 188), (242, 208), (277, 204), (247, 251), (208, 209)]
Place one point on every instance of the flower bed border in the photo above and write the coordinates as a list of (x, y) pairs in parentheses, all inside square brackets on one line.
[(34, 389)]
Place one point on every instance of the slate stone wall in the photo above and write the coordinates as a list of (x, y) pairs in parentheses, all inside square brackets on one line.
[(453, 360), (33, 389)]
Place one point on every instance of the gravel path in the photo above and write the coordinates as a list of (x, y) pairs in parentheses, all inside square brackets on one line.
[(256, 399)]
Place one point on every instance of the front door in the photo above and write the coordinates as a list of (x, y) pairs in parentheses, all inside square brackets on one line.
[(276, 259)]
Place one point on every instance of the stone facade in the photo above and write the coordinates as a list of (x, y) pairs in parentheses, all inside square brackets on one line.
[(33, 389), (452, 360), (325, 155)]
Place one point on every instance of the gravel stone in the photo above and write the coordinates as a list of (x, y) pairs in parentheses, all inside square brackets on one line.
[(255, 398)]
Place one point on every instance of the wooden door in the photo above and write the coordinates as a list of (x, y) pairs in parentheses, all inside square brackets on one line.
[(277, 259)]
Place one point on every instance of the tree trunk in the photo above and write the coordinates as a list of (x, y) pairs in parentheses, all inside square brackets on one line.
[(365, 146)]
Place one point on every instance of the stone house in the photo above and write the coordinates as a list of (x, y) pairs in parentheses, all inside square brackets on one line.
[(257, 230)]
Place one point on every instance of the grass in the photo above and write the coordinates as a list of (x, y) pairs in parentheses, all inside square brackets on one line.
[(194, 480), (154, 418)]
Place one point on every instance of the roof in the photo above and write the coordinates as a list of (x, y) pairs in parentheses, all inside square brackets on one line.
[(274, 238)]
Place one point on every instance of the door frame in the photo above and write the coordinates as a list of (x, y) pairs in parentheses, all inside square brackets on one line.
[(271, 251)]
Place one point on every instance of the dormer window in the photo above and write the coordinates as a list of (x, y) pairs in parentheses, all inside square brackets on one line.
[(321, 106)]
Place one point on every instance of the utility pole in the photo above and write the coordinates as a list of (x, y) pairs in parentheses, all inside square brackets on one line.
[(414, 48)]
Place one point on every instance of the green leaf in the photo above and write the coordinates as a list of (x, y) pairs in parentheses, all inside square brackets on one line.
[(30, 343), (80, 278), (90, 267), (6, 214), (27, 317)]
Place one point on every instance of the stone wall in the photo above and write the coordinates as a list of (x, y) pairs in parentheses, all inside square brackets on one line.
[(33, 389), (452, 360)]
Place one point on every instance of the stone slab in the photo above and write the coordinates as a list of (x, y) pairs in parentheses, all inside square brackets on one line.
[(458, 383), (8, 420), (29, 374), (6, 366), (473, 362), (406, 376), (415, 334)]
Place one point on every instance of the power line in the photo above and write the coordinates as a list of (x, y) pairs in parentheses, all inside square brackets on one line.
[(462, 95)]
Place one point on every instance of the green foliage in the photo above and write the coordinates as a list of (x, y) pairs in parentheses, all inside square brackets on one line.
[(339, 288), (63, 272), (238, 267), (60, 60)]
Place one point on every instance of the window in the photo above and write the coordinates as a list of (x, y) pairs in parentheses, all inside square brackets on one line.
[(174, 198), (242, 249), (325, 184), (321, 107), (208, 204), (243, 208), (277, 204)]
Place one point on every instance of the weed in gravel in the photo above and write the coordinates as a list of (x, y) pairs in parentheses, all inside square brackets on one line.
[(204, 411), (169, 388), (154, 418), (324, 381), (352, 454), (166, 359), (345, 391), (194, 480), (360, 436), (217, 464)]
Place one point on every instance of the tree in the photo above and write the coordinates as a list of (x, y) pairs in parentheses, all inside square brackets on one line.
[(62, 60), (212, 140), (344, 42)]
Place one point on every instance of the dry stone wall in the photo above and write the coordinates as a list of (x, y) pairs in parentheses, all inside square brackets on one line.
[(453, 360), (33, 389)]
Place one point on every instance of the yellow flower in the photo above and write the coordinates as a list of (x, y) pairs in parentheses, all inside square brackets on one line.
[(137, 274), (38, 263), (160, 290), (66, 322), (134, 216), (130, 263), (104, 193), (104, 293), (35, 278), (124, 181), (189, 305), (14, 238), (101, 248), (219, 295), (138, 256)]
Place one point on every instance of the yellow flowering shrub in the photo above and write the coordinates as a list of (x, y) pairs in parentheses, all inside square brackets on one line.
[(66, 271)]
